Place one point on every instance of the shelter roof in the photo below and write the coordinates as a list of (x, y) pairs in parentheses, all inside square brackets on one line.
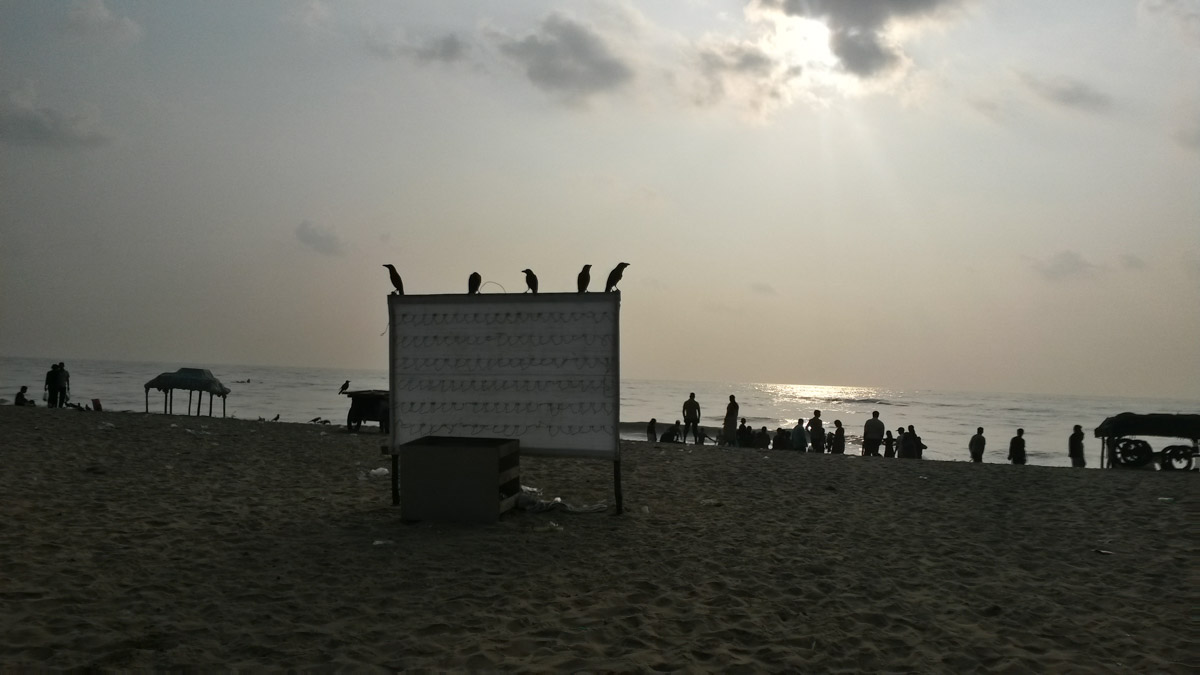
[(191, 379)]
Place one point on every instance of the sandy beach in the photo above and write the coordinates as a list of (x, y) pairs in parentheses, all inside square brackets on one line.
[(145, 541)]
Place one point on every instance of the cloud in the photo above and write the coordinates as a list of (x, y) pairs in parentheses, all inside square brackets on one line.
[(1068, 93), (1063, 265), (448, 48), (1132, 262), (744, 71), (1187, 132), (93, 18), (859, 28), (24, 122), (763, 288), (568, 58), (1184, 15), (319, 239)]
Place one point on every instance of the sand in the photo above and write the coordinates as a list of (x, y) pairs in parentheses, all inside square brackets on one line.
[(145, 541)]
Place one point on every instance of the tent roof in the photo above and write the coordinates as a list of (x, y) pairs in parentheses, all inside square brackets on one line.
[(191, 379), (1134, 424)]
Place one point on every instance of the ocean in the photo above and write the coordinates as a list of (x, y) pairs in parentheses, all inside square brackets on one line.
[(945, 420)]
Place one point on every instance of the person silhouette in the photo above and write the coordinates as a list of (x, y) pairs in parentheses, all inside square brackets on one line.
[(978, 442), (729, 430), (889, 444), (691, 417), (1016, 448), (839, 439), (651, 432), (872, 435), (1075, 448), (816, 431)]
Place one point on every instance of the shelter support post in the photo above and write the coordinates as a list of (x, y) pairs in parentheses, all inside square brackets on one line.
[(199, 402), (222, 406), (171, 395), (210, 404), (147, 401), (189, 402)]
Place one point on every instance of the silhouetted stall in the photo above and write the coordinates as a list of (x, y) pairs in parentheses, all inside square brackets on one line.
[(193, 380), (367, 405), (1118, 449)]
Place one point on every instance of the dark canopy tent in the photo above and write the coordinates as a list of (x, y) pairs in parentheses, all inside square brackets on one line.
[(1118, 449), (191, 379), (1133, 424)]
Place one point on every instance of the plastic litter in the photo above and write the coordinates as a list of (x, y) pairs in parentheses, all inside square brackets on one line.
[(378, 472)]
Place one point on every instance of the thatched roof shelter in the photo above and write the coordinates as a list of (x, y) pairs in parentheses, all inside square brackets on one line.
[(191, 379)]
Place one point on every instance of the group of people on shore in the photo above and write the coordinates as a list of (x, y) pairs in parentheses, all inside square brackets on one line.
[(811, 436), (56, 392)]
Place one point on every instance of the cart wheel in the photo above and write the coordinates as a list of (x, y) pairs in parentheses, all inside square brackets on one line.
[(1177, 457), (1132, 453)]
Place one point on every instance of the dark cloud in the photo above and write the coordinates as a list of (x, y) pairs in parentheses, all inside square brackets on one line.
[(23, 122), (1068, 92), (744, 68), (568, 58), (857, 27), (319, 239), (1132, 262), (1064, 265), (763, 288), (92, 18), (445, 49)]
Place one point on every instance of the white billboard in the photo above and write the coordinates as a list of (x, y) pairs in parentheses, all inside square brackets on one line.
[(541, 368)]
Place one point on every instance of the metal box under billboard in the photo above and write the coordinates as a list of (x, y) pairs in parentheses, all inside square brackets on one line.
[(458, 479)]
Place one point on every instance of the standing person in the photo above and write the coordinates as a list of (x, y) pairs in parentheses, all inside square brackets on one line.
[(64, 385), (731, 420), (691, 418), (976, 446), (1016, 448), (872, 435), (745, 435), (911, 446), (51, 387), (889, 445), (799, 436), (1075, 448), (899, 440), (651, 431), (65, 378), (816, 431), (838, 446)]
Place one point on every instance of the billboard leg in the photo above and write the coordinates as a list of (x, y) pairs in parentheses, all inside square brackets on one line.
[(617, 486), (395, 480)]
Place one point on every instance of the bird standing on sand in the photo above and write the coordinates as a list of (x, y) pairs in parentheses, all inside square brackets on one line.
[(396, 280), (345, 386), (614, 277), (473, 283), (585, 278), (530, 281), (275, 419)]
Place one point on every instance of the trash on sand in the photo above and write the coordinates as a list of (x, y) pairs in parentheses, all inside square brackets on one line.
[(711, 502), (379, 472), (646, 509), (1102, 551), (382, 542), (1167, 500)]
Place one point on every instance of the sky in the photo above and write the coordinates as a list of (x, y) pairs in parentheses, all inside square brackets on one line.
[(984, 195)]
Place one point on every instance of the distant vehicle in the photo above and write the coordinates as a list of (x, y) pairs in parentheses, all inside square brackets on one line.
[(1119, 450)]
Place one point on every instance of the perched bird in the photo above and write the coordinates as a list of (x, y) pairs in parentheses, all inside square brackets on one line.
[(275, 418), (315, 420), (473, 283), (396, 280), (614, 277), (585, 278), (530, 281), (345, 386)]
